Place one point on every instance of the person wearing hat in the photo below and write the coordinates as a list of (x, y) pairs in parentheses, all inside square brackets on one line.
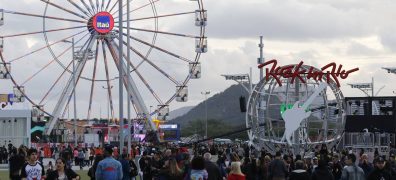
[(380, 171), (109, 168)]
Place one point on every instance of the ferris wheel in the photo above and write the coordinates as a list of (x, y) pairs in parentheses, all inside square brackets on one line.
[(274, 122), (54, 49)]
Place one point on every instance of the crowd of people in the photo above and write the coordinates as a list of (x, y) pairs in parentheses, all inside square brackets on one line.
[(201, 162)]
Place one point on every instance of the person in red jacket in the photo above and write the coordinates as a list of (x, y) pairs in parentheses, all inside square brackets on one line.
[(235, 173)]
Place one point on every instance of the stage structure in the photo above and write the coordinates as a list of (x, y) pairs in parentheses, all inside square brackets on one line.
[(15, 127), (163, 58), (370, 124), (297, 106)]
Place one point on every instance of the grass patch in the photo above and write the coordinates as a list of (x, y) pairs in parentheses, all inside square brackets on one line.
[(4, 175)]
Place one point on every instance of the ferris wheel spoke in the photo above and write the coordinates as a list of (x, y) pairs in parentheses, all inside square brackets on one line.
[(107, 79), (159, 16), (97, 6), (54, 84), (160, 49), (44, 67), (141, 7), (37, 50), (102, 5), (69, 88), (87, 7), (155, 95), (64, 9), (57, 80), (41, 16), (79, 8), (163, 32), (126, 3), (38, 32), (133, 91), (92, 6), (154, 66), (114, 5), (108, 4), (93, 79)]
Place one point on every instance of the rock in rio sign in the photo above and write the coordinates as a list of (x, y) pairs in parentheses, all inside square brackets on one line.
[(330, 71), (103, 22)]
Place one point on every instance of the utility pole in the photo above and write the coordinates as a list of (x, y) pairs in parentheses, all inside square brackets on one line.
[(206, 93), (74, 97), (120, 70), (128, 71), (260, 60)]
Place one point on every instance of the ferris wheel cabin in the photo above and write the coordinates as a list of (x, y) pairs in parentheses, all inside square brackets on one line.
[(4, 70)]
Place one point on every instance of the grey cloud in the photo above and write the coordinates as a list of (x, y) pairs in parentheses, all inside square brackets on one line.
[(358, 49)]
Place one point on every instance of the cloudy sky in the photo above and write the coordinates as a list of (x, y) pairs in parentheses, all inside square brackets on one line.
[(354, 33)]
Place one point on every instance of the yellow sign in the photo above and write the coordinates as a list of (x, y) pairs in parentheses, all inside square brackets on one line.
[(3, 97)]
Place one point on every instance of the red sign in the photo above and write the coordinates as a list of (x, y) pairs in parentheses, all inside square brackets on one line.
[(330, 71), (103, 22)]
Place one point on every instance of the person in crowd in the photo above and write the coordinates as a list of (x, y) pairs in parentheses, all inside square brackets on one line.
[(61, 172), (315, 163), (380, 172), (277, 168), (336, 167), (134, 170), (75, 155), (365, 164), (126, 168), (86, 157), (322, 172), (248, 169), (352, 171), (91, 155), (145, 165), (50, 167), (185, 164), (40, 155), (109, 168), (16, 163), (299, 173), (157, 163), (32, 169), (221, 163), (92, 169), (198, 169), (236, 173), (81, 157), (213, 170), (171, 170)]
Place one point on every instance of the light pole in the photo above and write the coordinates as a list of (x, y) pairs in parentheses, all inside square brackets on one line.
[(206, 93), (108, 101), (74, 92)]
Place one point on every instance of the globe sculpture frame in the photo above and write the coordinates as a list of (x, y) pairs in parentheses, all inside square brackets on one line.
[(271, 99)]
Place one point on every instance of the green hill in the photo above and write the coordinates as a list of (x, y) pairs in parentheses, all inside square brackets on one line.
[(224, 114)]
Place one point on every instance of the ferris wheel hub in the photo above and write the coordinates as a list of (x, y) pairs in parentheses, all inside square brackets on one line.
[(101, 23)]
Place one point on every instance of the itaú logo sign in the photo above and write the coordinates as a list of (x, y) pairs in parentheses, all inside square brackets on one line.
[(103, 22)]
